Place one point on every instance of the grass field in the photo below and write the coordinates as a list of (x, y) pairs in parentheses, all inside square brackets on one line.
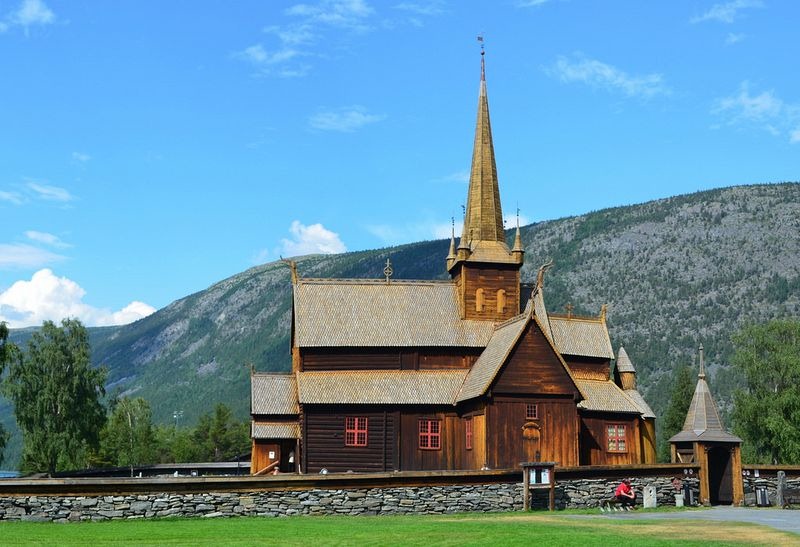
[(563, 528)]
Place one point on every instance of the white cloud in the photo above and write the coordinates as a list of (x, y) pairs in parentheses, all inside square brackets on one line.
[(727, 12), (47, 239), (350, 14), (794, 136), (274, 63), (33, 12), (28, 14), (311, 239), (346, 119), (81, 157), (531, 3), (50, 193), (49, 297), (457, 176), (430, 8), (298, 40), (764, 110), (746, 107), (11, 197), (733, 38), (598, 74), (22, 256)]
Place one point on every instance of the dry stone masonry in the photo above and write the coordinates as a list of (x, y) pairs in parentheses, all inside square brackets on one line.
[(367, 501)]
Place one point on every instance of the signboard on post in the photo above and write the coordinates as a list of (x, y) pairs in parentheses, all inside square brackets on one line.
[(538, 475)]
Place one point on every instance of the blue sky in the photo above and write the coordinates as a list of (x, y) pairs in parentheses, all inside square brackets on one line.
[(150, 149)]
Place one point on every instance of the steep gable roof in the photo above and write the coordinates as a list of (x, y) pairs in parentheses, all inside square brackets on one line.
[(583, 336), (605, 396), (374, 313), (273, 394), (488, 364), (405, 387), (506, 335)]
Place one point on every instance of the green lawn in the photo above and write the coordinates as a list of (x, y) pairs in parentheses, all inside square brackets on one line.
[(562, 528)]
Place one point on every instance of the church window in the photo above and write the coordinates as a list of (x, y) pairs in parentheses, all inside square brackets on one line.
[(430, 434), (615, 433), (531, 411), (479, 300), (501, 301), (468, 433), (355, 431)]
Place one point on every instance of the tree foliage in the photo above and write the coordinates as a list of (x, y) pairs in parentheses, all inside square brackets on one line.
[(56, 395), (128, 438), (6, 350), (767, 412), (675, 415), (219, 437)]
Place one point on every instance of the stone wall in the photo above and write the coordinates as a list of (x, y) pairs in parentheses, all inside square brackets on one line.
[(572, 493), (768, 482)]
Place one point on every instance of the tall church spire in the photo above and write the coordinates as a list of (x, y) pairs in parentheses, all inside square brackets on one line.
[(483, 238), (483, 220)]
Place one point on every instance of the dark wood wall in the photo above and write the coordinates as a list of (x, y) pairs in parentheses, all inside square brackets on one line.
[(323, 439), (594, 447), (490, 279), (534, 368), (318, 359), (589, 368), (557, 425)]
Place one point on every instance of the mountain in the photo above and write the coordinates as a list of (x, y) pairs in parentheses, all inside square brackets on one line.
[(675, 273)]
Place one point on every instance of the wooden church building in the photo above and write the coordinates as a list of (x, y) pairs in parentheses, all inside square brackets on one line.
[(468, 373)]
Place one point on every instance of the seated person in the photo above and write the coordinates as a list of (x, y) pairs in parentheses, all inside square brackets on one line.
[(625, 494)]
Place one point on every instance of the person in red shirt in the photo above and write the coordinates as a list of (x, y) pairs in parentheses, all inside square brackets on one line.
[(625, 494)]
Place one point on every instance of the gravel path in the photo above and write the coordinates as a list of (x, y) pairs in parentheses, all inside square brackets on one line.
[(786, 520)]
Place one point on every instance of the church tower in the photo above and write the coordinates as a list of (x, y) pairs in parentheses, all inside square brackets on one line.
[(485, 270)]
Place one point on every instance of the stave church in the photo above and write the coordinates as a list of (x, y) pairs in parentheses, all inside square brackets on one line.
[(463, 374)]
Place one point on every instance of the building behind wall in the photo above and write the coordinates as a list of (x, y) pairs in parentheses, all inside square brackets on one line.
[(468, 373)]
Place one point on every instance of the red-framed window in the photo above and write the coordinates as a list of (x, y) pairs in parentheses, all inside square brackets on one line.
[(615, 436), (355, 431), (468, 433), (430, 434), (531, 411)]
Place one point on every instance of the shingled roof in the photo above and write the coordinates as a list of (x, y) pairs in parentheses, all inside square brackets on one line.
[(275, 430), (405, 387), (637, 398), (581, 336), (274, 394), (605, 396), (624, 363), (374, 313), (702, 420)]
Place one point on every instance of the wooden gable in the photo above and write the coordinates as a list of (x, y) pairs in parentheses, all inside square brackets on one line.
[(534, 367)]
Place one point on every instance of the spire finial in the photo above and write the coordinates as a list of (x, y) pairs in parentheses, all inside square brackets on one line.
[(387, 270), (702, 374), (483, 52)]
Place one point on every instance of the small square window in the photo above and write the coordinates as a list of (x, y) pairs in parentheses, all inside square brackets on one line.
[(355, 431), (430, 434), (531, 411)]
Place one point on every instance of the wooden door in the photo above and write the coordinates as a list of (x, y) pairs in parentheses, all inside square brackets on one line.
[(531, 442), (479, 441)]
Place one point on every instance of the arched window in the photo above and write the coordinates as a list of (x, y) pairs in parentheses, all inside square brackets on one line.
[(501, 301), (479, 300)]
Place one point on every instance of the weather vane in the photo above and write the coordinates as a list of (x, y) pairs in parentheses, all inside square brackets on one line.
[(480, 41)]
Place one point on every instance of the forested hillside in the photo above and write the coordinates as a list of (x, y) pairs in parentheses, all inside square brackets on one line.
[(675, 273)]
